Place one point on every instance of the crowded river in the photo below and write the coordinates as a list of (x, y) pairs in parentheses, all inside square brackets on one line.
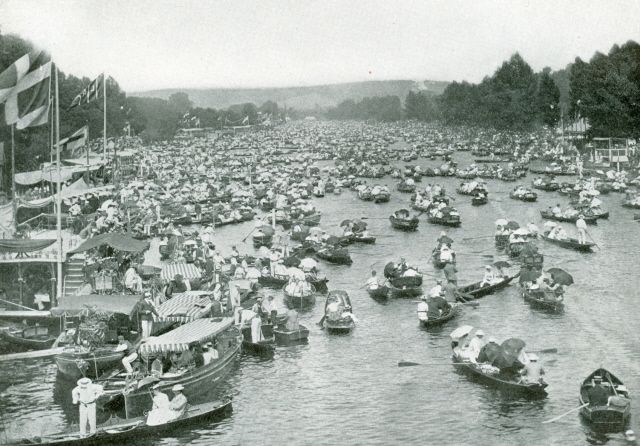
[(349, 389)]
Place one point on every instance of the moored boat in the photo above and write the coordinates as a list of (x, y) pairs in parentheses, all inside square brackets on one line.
[(31, 338), (607, 408), (284, 336), (123, 431), (225, 339)]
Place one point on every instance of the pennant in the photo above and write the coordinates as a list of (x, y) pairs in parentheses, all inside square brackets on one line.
[(25, 91), (89, 93)]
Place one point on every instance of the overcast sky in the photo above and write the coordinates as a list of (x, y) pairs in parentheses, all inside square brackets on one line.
[(148, 44)]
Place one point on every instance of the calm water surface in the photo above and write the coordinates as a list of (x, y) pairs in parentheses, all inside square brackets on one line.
[(349, 390)]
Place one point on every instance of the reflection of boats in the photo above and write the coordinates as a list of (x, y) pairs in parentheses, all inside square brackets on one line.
[(221, 332), (478, 291), (477, 372), (32, 338), (611, 415), (338, 320), (124, 431)]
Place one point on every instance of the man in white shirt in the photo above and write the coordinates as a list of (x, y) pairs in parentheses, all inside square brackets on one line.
[(581, 225)]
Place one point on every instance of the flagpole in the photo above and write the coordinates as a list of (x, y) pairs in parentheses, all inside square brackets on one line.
[(58, 199), (104, 108), (13, 180)]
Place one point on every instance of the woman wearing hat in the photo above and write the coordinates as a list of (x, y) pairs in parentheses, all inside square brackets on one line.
[(178, 404), (159, 413)]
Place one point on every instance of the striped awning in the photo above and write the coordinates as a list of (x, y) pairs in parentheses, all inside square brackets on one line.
[(186, 270), (198, 331), (185, 307)]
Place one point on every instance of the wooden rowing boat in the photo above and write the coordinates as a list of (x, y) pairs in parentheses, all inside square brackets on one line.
[(379, 293), (129, 431), (284, 336), (478, 291), (303, 301), (499, 381), (338, 322), (406, 281), (264, 347), (590, 220), (404, 224), (543, 301), (615, 413), (452, 221), (528, 196), (453, 311), (570, 243), (30, 338)]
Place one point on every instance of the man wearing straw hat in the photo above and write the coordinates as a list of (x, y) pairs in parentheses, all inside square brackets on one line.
[(86, 394)]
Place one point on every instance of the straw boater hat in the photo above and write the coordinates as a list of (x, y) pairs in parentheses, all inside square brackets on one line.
[(84, 382), (177, 388)]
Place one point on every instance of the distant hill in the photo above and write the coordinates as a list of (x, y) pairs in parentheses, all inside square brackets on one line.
[(300, 98)]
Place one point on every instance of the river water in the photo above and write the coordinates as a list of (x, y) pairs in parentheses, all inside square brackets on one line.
[(349, 389)]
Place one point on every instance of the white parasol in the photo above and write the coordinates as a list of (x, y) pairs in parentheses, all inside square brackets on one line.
[(461, 331)]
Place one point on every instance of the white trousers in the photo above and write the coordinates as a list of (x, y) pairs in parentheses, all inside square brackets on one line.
[(146, 328), (87, 415), (127, 360)]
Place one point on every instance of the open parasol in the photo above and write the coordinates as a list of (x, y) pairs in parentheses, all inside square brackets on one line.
[(528, 275), (509, 352), (501, 222), (346, 222), (512, 225), (561, 276), (461, 331), (291, 261)]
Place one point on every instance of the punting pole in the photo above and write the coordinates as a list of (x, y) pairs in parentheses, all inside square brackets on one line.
[(58, 200), (13, 180)]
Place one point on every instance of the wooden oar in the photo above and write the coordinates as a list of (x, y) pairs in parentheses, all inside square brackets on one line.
[(244, 239), (476, 238), (404, 363), (565, 414), (594, 242), (545, 350)]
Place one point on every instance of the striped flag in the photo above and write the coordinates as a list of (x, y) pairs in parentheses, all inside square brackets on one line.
[(70, 144), (24, 91), (89, 93)]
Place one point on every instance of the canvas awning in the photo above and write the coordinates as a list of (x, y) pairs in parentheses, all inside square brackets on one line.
[(115, 303), (186, 270), (24, 245), (198, 331), (116, 240), (185, 307)]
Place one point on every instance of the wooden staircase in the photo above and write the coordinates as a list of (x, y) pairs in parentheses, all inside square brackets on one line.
[(73, 275)]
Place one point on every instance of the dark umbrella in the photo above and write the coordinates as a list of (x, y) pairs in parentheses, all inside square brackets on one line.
[(332, 240), (346, 222), (560, 276), (502, 264), (291, 261), (446, 240), (509, 351), (528, 275), (389, 269), (529, 249), (512, 225), (359, 226), (489, 352), (267, 230)]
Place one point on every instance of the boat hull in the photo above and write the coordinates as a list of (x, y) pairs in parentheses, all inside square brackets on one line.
[(75, 365)]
